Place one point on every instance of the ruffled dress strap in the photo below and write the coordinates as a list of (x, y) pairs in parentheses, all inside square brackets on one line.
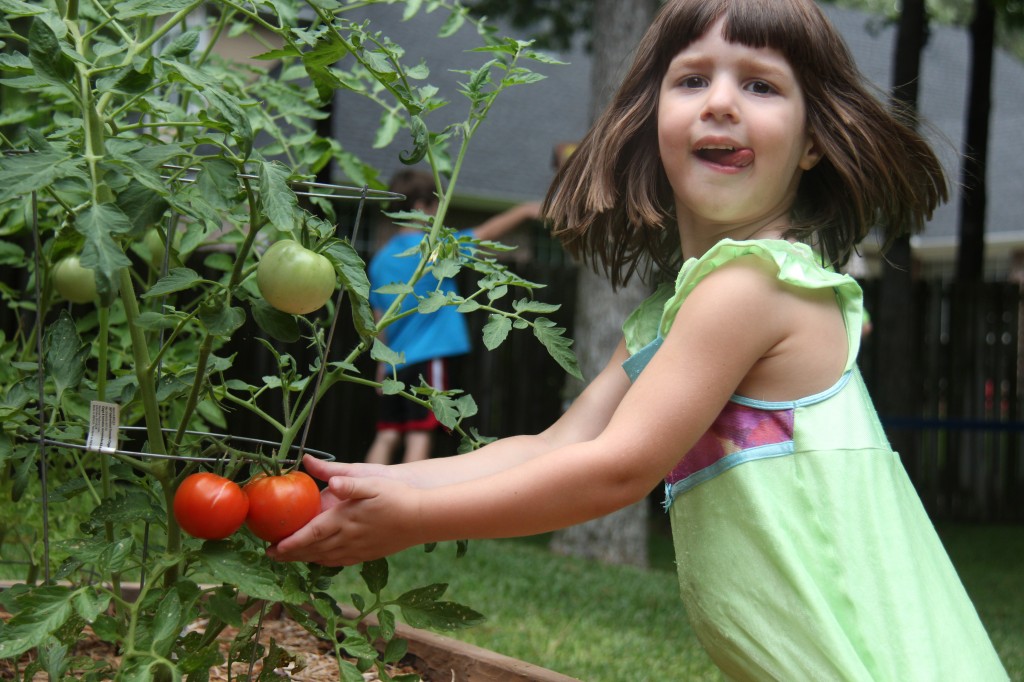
[(795, 263)]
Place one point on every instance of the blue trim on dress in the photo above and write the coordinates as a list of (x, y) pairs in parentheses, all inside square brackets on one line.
[(636, 362), (673, 490), (800, 402)]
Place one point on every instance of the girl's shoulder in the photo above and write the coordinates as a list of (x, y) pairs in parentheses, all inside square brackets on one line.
[(793, 263)]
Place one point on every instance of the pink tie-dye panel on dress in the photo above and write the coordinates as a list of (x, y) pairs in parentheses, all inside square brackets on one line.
[(739, 427)]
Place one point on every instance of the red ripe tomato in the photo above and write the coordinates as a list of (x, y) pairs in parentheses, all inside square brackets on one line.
[(280, 505), (209, 506)]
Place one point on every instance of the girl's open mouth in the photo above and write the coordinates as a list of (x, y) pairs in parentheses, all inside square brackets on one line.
[(726, 156)]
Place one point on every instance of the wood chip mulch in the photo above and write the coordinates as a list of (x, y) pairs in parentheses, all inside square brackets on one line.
[(316, 662)]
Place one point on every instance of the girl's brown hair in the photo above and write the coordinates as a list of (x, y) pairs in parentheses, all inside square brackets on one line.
[(611, 204)]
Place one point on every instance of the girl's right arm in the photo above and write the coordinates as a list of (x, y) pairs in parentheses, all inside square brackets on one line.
[(584, 420)]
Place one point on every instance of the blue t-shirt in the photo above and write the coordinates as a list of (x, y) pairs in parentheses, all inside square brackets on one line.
[(442, 333)]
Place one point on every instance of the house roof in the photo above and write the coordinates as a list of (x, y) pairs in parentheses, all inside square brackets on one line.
[(509, 160)]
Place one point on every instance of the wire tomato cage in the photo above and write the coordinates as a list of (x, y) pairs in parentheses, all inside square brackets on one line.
[(104, 434)]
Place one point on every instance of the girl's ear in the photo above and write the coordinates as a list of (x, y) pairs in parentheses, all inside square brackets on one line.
[(812, 154)]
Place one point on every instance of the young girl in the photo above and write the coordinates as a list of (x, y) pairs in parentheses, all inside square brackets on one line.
[(745, 140)]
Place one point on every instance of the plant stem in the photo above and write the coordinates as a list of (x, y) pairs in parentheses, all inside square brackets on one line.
[(143, 365)]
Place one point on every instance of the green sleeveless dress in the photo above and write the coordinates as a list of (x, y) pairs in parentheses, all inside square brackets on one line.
[(803, 550)]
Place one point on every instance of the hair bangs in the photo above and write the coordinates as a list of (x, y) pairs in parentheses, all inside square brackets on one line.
[(779, 25)]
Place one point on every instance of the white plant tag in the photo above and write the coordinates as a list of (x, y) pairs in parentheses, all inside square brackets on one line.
[(104, 421)]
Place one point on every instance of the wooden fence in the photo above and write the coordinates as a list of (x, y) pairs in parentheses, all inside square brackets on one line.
[(966, 427)]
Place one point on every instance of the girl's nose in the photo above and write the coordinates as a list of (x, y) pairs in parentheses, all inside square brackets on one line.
[(721, 101)]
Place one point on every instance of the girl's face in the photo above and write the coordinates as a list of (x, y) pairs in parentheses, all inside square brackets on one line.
[(732, 137)]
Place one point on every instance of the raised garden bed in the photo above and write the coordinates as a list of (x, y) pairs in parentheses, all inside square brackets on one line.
[(434, 657)]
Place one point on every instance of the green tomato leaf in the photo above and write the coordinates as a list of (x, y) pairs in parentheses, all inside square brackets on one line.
[(139, 667), (496, 293), (466, 406), (218, 183), (49, 60), (421, 142), (177, 279), (352, 272), (103, 556), (350, 266), (223, 604), (444, 409), (281, 326), (222, 320), (381, 353), (26, 173), (391, 387), (197, 662), (150, 8), (153, 321), (441, 615), (100, 252), (447, 268), (496, 330), (386, 624), (526, 305), (183, 45), (432, 303), (89, 604), (64, 354), (140, 203), (41, 611), (395, 650), (357, 645), (558, 345), (279, 201), (167, 623), (129, 507), (350, 672), (231, 109), (245, 569), (422, 596), (17, 8), (375, 575)]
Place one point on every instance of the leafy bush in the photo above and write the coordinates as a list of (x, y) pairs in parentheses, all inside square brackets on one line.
[(168, 171)]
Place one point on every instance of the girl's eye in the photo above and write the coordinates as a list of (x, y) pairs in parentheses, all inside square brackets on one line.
[(760, 88), (693, 82)]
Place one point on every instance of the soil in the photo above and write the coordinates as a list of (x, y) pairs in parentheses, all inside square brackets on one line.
[(316, 658)]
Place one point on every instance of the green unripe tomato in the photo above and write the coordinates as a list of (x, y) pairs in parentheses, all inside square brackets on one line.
[(73, 282), (294, 279)]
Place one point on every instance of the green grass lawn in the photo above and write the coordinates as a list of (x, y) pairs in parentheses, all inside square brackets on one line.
[(990, 560), (608, 623)]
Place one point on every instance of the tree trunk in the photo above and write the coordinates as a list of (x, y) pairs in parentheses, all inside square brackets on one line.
[(895, 320), (621, 537), (970, 262)]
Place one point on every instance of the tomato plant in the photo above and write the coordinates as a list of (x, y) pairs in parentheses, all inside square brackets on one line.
[(295, 279), (209, 506), (280, 505), (74, 282), (130, 123)]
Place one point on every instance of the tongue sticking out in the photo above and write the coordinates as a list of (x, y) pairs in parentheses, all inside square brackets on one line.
[(738, 158)]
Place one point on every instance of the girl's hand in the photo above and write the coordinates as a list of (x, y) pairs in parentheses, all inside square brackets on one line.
[(324, 470), (363, 519)]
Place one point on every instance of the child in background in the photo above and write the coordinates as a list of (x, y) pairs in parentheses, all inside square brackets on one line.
[(745, 150), (426, 340)]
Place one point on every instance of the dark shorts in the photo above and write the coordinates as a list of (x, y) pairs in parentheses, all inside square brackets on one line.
[(401, 414)]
